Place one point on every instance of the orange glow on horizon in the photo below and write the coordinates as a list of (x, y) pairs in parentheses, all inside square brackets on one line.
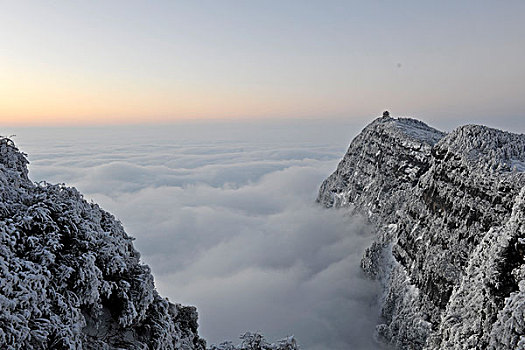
[(37, 96), (85, 110), (60, 100)]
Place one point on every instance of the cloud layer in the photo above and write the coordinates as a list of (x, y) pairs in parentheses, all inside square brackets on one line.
[(226, 219)]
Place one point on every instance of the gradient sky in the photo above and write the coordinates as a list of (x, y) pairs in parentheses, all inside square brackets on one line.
[(73, 62)]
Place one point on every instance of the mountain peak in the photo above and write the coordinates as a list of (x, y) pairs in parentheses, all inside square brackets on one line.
[(482, 146), (450, 234), (404, 127)]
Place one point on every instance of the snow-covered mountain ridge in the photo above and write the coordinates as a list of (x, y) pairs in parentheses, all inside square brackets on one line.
[(449, 211), (70, 277)]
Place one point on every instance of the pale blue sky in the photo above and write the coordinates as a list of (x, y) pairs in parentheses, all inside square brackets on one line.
[(133, 61)]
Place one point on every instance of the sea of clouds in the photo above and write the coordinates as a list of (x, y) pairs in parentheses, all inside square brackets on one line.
[(225, 215)]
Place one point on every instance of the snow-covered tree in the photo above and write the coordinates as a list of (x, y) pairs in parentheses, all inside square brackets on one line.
[(70, 277), (256, 341)]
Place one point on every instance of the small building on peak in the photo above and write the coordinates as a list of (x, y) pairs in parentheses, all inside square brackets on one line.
[(386, 114)]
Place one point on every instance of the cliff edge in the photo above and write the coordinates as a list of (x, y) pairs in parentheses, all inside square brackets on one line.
[(70, 277), (449, 216)]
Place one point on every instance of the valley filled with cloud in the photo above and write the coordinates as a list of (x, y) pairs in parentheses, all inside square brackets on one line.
[(225, 215)]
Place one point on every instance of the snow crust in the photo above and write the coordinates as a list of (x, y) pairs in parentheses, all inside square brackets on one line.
[(418, 130)]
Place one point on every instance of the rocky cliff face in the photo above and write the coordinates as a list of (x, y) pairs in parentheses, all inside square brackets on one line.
[(70, 277), (449, 211)]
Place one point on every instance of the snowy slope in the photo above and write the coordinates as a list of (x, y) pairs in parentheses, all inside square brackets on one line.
[(449, 216), (70, 277)]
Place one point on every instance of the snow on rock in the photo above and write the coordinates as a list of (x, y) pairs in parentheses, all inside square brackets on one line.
[(70, 277), (449, 216), (256, 341)]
